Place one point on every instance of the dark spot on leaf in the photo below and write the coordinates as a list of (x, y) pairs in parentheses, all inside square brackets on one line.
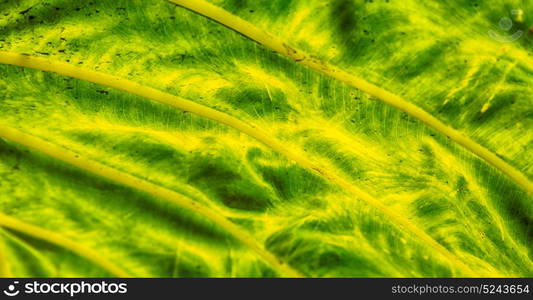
[(25, 11)]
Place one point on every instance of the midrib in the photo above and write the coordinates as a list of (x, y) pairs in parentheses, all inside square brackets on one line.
[(246, 28), (204, 111)]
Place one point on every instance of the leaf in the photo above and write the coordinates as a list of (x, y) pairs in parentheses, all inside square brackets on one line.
[(141, 138)]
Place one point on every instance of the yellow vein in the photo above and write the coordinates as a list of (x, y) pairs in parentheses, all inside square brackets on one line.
[(54, 238), (201, 110), (5, 270), (248, 29), (130, 181), (46, 265)]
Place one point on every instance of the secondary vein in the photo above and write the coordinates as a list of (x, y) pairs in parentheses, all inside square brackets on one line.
[(204, 111), (54, 238), (246, 28), (5, 271), (129, 180)]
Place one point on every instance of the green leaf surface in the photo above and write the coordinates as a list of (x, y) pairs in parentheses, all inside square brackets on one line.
[(142, 138)]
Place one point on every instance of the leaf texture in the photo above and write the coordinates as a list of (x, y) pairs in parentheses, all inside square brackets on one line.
[(295, 172)]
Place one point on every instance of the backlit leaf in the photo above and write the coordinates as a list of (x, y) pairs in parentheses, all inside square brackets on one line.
[(357, 139)]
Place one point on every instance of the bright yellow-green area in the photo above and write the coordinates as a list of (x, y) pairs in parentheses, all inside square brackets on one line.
[(186, 105), (278, 45), (12, 223), (127, 180), (207, 154)]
